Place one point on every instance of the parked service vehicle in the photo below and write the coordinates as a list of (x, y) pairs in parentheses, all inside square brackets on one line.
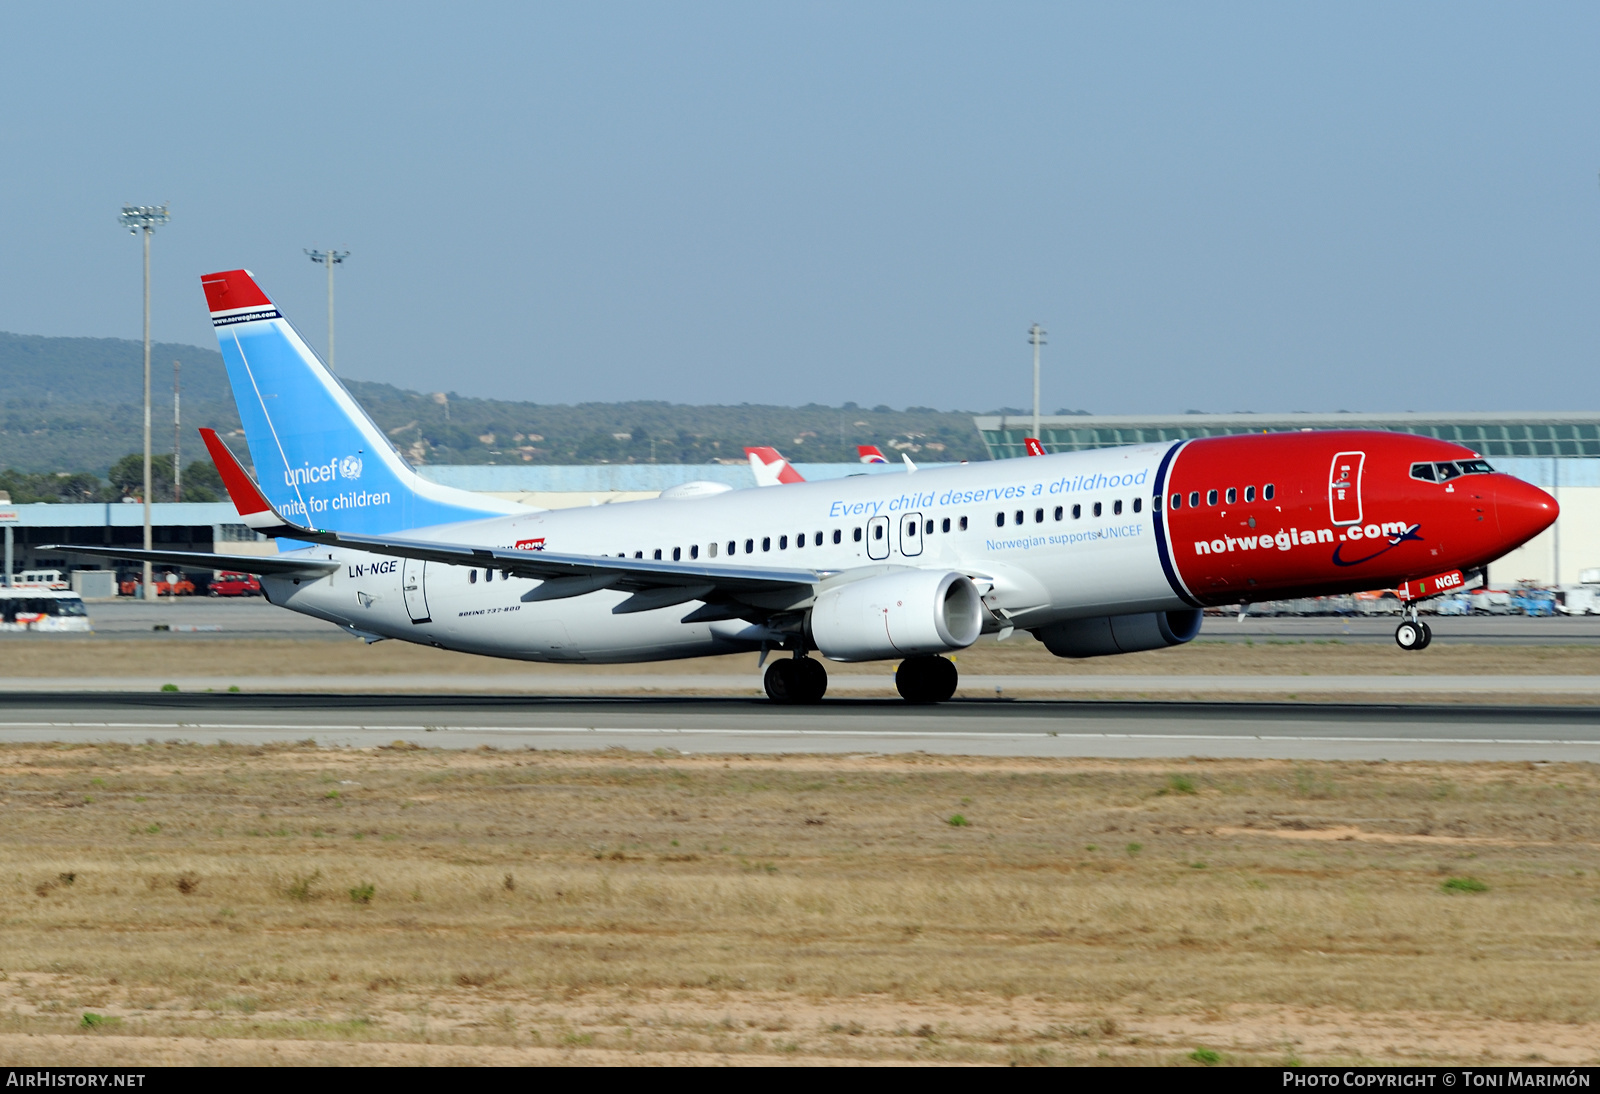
[(1492, 602), (1583, 600), (1378, 602), (35, 609), (1460, 604), (227, 583), (168, 584), (41, 579), (1534, 602)]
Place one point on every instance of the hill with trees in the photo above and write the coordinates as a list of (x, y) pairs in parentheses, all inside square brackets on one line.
[(74, 405)]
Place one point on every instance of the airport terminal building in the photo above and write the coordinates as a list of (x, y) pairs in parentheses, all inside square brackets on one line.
[(1559, 452)]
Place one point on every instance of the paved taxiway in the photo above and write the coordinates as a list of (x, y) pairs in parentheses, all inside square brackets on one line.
[(988, 727)]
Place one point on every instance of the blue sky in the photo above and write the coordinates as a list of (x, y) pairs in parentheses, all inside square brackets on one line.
[(1219, 207)]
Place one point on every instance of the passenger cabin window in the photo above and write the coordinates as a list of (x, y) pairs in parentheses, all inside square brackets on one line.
[(694, 550), (1137, 501), (877, 532), (929, 529), (472, 577), (999, 520), (1116, 507), (1233, 495), (1177, 501), (858, 535), (817, 539), (1155, 504), (711, 549), (1077, 512), (1097, 509), (944, 525), (1019, 516), (677, 554), (1060, 512), (658, 554), (838, 536), (1038, 516), (963, 524), (749, 546), (800, 540), (733, 547), (783, 543), (1266, 491), (1211, 497), (1194, 499), (1249, 493), (766, 543)]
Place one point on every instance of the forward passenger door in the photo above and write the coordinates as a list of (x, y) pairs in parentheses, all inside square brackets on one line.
[(878, 538)]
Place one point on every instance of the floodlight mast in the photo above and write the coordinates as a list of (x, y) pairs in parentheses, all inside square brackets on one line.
[(1036, 335), (329, 259), (146, 219)]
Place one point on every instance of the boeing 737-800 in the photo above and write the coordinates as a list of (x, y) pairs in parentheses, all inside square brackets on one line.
[(1098, 552)]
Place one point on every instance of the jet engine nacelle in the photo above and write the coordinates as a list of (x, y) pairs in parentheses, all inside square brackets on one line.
[(897, 615), (1120, 633)]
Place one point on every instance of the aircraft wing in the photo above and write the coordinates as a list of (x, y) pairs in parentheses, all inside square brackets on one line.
[(202, 560), (655, 583)]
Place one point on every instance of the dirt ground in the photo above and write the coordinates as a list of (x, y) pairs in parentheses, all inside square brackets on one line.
[(208, 655), (189, 904)]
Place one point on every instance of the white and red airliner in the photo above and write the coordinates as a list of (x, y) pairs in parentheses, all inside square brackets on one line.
[(1099, 552)]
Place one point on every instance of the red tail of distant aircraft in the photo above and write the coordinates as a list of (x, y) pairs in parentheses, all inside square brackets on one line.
[(1034, 447), (770, 467), (869, 454)]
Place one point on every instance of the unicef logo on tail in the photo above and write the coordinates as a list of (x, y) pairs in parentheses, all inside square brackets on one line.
[(350, 467)]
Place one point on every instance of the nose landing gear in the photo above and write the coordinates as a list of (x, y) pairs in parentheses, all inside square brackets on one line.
[(796, 680), (1413, 633)]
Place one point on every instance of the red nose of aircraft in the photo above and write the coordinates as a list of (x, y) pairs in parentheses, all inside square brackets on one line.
[(1522, 509)]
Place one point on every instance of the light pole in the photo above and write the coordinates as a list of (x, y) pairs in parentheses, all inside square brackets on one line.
[(1036, 335), (146, 219), (329, 259)]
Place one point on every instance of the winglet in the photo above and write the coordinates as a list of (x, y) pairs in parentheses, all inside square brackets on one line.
[(254, 508)]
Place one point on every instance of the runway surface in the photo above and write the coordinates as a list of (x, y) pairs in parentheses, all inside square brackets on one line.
[(985, 727), (864, 685)]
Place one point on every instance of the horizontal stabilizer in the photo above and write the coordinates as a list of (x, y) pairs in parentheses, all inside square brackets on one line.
[(262, 565)]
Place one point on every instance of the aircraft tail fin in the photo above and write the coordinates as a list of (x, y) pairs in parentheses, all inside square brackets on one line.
[(869, 453), (1034, 446), (770, 468), (319, 458)]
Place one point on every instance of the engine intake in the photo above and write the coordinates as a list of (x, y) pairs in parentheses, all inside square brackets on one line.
[(897, 615), (1120, 633)]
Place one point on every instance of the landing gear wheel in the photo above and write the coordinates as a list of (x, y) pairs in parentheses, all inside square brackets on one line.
[(794, 680), (1410, 636), (1427, 635), (928, 679)]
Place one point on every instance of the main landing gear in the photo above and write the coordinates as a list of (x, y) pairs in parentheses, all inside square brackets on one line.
[(796, 680), (1413, 633), (929, 679)]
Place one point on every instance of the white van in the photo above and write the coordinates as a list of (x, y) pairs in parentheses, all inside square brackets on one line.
[(50, 610), (41, 579)]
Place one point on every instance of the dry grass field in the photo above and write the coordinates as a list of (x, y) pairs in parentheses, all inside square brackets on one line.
[(182, 903)]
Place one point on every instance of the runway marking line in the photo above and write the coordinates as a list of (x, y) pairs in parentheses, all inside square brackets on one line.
[(891, 733)]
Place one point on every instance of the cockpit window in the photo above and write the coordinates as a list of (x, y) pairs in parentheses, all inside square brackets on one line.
[(1450, 469)]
